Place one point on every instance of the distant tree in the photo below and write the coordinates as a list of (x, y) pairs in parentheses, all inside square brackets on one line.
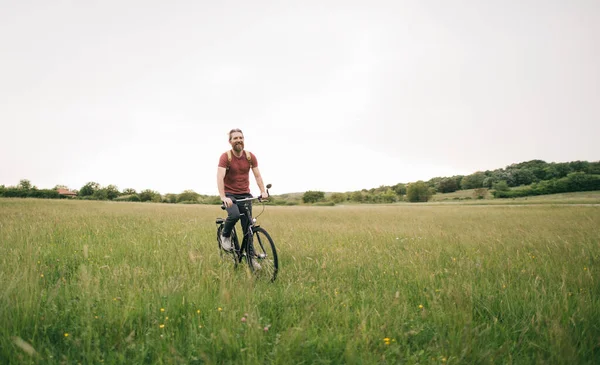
[(313, 196), (418, 192), (371, 197), (579, 166), (89, 189), (60, 187), (434, 182), (338, 198), (501, 185), (458, 179), (171, 198), (356, 196), (129, 191), (473, 181), (389, 196), (447, 185), (550, 172), (212, 199), (149, 195), (399, 189), (100, 194), (501, 174), (594, 168), (523, 177), (488, 182), (530, 165), (580, 181), (25, 185), (134, 198), (562, 169), (188, 196), (112, 192)]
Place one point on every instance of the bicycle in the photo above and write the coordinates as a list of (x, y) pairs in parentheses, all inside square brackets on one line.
[(257, 245)]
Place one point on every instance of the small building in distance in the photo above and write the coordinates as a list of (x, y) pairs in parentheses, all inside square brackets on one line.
[(67, 193)]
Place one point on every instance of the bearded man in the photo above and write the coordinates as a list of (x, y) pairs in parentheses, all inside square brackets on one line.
[(233, 182)]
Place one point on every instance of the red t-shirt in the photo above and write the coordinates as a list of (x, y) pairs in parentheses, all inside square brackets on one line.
[(237, 177)]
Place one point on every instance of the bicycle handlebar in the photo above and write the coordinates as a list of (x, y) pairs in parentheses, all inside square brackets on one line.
[(259, 198)]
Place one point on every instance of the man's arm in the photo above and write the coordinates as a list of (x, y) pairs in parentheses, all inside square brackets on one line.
[(259, 182), (221, 186)]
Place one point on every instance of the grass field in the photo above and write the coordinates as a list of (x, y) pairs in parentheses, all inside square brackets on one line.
[(130, 283)]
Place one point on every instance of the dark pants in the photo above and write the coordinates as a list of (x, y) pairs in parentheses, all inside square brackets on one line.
[(233, 214)]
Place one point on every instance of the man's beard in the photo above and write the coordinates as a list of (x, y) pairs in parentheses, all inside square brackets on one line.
[(238, 147)]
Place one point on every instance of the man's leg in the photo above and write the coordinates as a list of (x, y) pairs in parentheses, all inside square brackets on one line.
[(245, 223), (246, 208), (233, 215)]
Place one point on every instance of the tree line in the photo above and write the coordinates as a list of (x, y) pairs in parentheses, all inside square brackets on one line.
[(94, 191), (535, 177)]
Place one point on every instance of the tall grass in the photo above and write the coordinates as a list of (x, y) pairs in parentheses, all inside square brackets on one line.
[(98, 282)]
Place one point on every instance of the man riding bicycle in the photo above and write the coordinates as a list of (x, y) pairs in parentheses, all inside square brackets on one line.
[(233, 182)]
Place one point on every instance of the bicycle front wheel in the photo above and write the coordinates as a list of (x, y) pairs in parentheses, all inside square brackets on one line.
[(263, 260)]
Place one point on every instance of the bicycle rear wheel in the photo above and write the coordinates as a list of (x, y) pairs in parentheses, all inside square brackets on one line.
[(264, 254)]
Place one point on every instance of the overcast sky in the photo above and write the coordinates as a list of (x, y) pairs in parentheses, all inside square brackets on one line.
[(331, 95)]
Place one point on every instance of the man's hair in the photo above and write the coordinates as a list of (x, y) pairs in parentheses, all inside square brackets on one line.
[(233, 131)]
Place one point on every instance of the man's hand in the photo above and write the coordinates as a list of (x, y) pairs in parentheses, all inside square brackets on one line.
[(228, 202), (264, 195)]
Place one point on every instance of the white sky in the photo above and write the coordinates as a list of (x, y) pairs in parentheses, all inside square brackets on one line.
[(331, 95)]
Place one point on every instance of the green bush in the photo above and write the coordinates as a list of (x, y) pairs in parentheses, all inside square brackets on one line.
[(341, 197), (128, 198), (575, 181), (313, 196), (14, 193), (211, 200), (188, 196), (418, 192), (43, 193), (31, 193), (324, 204), (580, 181)]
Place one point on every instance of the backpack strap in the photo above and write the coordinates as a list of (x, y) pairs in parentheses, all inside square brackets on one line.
[(248, 157), (228, 159)]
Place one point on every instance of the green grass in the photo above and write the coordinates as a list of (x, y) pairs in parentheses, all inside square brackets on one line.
[(134, 283)]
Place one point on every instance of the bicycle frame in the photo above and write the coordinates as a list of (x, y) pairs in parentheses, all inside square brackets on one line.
[(248, 232), (256, 245)]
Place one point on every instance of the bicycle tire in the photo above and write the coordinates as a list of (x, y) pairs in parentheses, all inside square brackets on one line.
[(264, 253)]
